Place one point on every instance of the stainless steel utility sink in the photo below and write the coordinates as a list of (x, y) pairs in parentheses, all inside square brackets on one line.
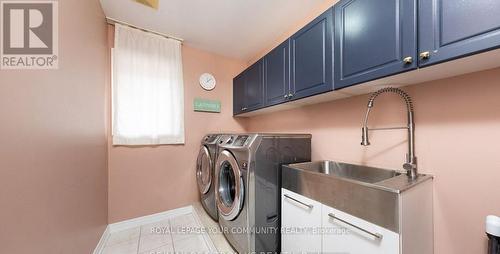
[(372, 194), (354, 172)]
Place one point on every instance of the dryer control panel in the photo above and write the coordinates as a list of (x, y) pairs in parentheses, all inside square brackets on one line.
[(210, 138)]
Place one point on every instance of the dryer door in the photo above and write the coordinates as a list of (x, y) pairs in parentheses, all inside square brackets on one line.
[(203, 170), (229, 186)]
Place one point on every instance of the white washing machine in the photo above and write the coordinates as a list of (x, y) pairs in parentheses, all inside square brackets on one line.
[(205, 173), (248, 186)]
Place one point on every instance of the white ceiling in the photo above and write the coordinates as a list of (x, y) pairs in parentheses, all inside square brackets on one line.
[(235, 28)]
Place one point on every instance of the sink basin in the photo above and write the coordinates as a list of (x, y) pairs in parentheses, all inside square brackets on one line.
[(372, 194), (354, 172)]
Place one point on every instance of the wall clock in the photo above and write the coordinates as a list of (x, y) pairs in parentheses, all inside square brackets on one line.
[(207, 81)]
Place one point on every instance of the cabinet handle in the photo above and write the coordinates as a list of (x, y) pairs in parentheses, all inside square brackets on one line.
[(298, 201), (408, 60), (290, 95), (286, 96), (425, 55), (376, 235), (243, 109)]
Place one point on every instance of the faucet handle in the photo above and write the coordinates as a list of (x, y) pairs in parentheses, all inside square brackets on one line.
[(411, 170), (411, 167)]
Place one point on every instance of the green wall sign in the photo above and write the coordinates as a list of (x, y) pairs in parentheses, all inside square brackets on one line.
[(204, 105)]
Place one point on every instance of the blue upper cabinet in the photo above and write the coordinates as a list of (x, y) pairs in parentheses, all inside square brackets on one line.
[(248, 89), (357, 41), (449, 29), (374, 39), (312, 58), (254, 86), (239, 94), (277, 75)]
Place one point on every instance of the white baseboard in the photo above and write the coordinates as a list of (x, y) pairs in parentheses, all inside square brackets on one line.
[(136, 222)]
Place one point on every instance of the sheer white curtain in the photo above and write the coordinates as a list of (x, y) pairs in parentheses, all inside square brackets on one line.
[(148, 89)]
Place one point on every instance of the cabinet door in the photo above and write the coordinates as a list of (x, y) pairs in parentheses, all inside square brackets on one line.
[(343, 233), (300, 223), (374, 39), (450, 29), (254, 86), (276, 75), (239, 94), (312, 58)]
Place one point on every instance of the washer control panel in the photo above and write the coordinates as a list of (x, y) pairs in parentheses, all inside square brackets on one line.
[(241, 140)]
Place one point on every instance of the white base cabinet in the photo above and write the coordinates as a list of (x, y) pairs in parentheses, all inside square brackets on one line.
[(300, 223), (343, 233), (312, 227)]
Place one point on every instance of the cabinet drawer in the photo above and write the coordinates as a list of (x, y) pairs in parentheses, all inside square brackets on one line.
[(343, 233), (300, 223)]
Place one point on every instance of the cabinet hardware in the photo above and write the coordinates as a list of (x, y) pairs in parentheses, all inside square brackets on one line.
[(243, 109), (286, 96), (425, 55), (290, 95), (298, 201), (376, 235), (408, 60)]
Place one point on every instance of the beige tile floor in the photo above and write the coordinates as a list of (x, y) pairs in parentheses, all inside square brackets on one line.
[(214, 233), (191, 233)]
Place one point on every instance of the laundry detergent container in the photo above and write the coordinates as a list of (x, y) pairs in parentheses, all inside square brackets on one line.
[(493, 232)]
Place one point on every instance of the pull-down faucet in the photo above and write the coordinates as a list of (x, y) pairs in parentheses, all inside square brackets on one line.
[(411, 160)]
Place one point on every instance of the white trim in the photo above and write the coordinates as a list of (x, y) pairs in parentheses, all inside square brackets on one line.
[(139, 221), (104, 238)]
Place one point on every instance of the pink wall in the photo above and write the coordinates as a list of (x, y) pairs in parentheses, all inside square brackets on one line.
[(457, 129), (457, 132), (146, 180), (53, 177)]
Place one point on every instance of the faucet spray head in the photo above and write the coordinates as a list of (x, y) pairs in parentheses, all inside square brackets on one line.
[(364, 137)]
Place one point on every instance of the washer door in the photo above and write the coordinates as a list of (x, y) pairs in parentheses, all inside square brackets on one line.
[(229, 186), (204, 170)]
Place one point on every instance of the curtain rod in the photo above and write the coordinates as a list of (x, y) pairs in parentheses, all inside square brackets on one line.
[(113, 21)]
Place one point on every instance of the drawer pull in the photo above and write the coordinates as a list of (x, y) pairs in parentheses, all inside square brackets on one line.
[(376, 235), (298, 201)]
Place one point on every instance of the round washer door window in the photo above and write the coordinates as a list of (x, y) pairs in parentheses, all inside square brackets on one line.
[(203, 170), (229, 187)]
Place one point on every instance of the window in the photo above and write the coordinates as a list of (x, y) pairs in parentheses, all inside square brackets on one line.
[(148, 89)]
